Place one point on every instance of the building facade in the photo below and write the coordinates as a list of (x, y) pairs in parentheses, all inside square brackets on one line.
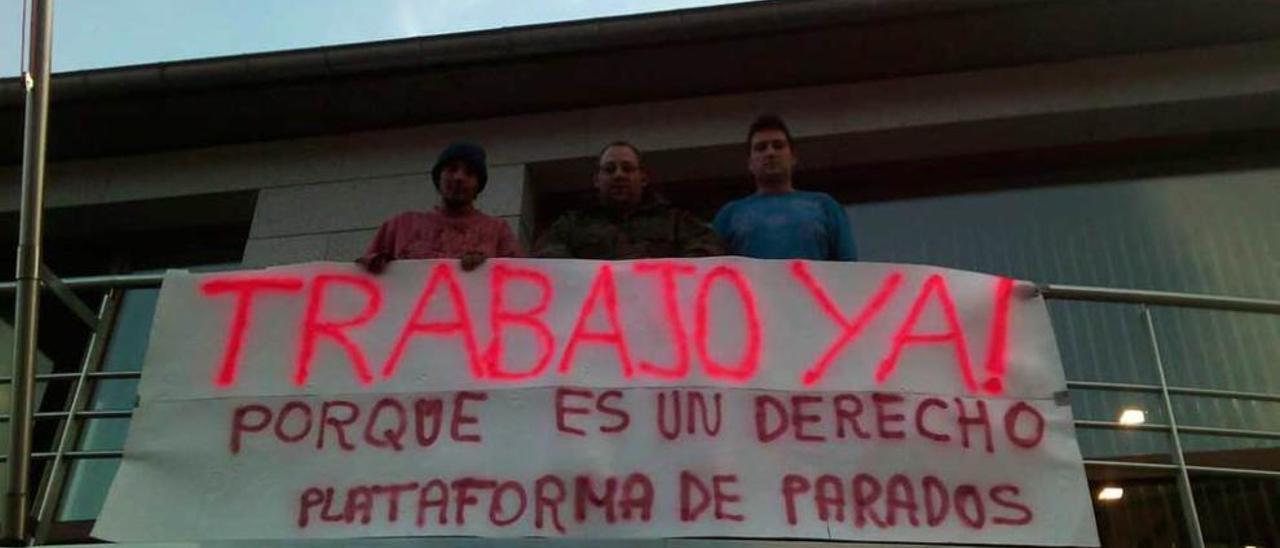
[(1131, 144)]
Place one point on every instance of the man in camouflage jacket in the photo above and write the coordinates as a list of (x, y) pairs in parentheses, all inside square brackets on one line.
[(626, 221)]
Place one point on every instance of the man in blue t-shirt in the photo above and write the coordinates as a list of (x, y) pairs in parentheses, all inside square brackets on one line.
[(778, 221)]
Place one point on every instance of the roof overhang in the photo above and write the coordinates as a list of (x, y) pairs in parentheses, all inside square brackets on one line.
[(652, 57)]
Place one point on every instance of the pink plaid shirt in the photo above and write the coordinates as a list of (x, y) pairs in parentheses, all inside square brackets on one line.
[(434, 235)]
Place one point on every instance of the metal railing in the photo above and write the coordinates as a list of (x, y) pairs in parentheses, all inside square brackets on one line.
[(70, 420), (43, 506), (1183, 471)]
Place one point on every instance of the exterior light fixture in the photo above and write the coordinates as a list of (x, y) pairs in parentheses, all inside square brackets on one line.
[(1132, 417), (1111, 493)]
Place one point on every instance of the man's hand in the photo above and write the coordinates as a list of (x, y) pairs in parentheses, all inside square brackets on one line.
[(374, 264), (472, 260)]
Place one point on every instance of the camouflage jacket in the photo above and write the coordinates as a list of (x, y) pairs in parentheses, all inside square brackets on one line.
[(654, 229)]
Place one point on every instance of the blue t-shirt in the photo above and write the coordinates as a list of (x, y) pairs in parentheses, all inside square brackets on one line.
[(795, 225)]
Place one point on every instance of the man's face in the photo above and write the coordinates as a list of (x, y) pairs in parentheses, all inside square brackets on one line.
[(458, 184), (771, 160), (619, 177)]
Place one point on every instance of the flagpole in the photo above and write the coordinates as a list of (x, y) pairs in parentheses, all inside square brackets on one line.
[(36, 82)]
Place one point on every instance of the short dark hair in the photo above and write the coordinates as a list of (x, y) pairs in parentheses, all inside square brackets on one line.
[(627, 144), (764, 122)]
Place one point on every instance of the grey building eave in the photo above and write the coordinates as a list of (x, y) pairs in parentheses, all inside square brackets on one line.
[(651, 57)]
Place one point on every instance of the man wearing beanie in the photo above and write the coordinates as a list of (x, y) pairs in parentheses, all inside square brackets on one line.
[(454, 229)]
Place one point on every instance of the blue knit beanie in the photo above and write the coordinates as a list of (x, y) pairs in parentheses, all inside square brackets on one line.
[(469, 153)]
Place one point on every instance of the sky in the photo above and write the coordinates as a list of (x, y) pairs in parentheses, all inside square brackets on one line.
[(91, 34)]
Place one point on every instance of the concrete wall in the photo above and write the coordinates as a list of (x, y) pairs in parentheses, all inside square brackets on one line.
[(322, 198)]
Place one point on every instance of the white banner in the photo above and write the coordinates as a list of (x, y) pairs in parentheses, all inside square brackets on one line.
[(668, 398)]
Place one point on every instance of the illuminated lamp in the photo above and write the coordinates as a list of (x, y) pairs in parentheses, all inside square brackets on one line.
[(1132, 417), (1111, 493)]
